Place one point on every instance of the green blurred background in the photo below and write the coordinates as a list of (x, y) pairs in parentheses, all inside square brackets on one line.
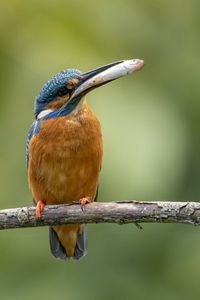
[(150, 124)]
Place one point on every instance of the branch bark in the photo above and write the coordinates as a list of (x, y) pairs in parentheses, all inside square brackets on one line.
[(121, 212)]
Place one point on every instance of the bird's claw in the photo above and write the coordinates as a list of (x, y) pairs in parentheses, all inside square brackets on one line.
[(39, 208), (83, 201)]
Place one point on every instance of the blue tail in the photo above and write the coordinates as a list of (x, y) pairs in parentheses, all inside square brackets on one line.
[(58, 250), (81, 244)]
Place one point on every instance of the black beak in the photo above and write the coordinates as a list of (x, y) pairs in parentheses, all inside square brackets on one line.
[(100, 76)]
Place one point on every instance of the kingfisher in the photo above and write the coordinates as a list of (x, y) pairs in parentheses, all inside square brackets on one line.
[(64, 149)]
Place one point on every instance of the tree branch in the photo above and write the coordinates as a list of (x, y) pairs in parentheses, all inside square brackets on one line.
[(121, 212)]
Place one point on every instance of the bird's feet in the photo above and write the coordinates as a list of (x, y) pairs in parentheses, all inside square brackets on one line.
[(83, 201), (39, 208)]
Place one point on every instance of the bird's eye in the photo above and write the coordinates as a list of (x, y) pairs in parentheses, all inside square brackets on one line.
[(62, 91)]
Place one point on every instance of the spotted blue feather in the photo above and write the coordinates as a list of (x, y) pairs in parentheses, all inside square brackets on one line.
[(50, 90)]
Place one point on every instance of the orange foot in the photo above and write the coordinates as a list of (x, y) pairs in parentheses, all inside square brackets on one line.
[(83, 201), (39, 207)]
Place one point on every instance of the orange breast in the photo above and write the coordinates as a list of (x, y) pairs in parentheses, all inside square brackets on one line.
[(65, 158)]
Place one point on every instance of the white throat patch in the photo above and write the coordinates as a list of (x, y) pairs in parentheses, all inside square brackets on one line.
[(79, 106), (43, 113)]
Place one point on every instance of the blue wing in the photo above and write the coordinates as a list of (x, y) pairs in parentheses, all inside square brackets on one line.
[(35, 129), (30, 134)]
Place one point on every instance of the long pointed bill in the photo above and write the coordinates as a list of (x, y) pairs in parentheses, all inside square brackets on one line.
[(95, 78)]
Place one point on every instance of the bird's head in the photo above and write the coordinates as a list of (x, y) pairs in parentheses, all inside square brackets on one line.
[(65, 89), (57, 90)]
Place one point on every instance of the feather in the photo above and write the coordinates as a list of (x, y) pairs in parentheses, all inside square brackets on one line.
[(57, 249), (81, 244), (30, 134)]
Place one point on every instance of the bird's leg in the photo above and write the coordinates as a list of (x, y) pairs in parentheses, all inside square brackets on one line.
[(83, 201), (39, 207)]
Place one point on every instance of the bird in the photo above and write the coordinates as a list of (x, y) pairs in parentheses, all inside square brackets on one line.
[(64, 149)]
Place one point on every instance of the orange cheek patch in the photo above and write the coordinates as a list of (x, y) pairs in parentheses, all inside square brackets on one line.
[(57, 103), (72, 83)]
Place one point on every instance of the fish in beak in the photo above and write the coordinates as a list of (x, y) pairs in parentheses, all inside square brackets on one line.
[(100, 76)]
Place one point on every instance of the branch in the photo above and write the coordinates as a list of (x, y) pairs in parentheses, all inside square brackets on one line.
[(121, 212)]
